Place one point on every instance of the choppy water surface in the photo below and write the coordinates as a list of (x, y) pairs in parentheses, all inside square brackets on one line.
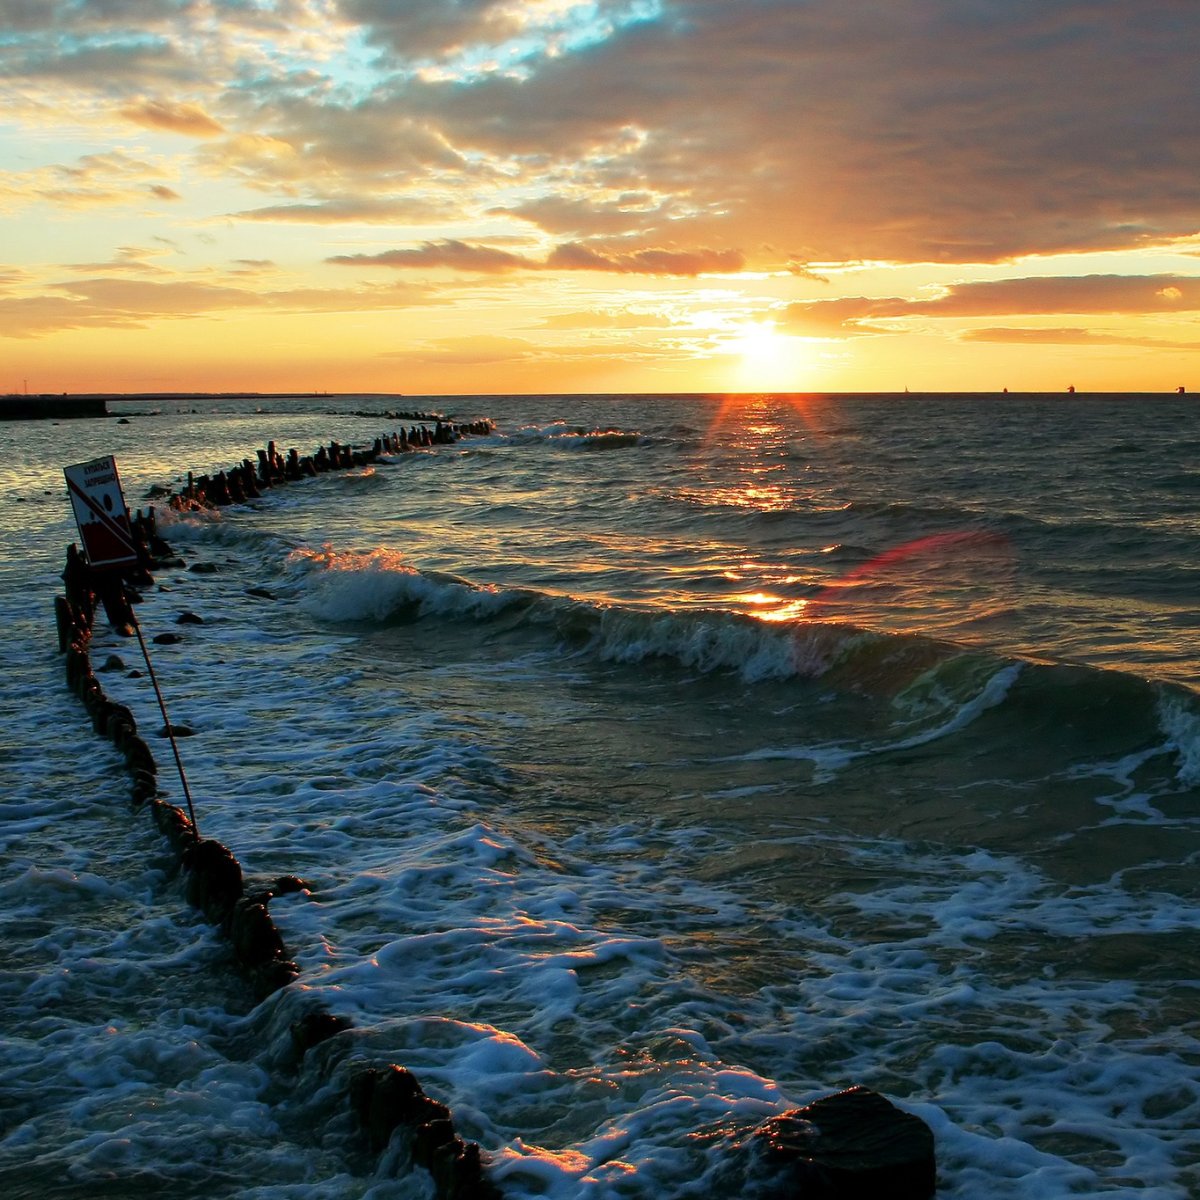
[(656, 764)]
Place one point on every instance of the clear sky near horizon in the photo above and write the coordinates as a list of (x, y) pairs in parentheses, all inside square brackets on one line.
[(462, 196)]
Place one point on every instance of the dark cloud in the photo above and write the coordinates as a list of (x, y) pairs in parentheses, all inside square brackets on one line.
[(418, 28), (893, 130), (905, 129)]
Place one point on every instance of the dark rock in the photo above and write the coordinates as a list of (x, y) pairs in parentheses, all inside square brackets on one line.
[(144, 777), (167, 639), (174, 824), (261, 593), (138, 756), (434, 1137), (142, 793), (179, 731), (314, 1028), (189, 618), (64, 618), (271, 976), (120, 714), (120, 727), (100, 711), (204, 568), (255, 938), (287, 885), (362, 1088), (394, 1097), (457, 1171), (114, 662), (855, 1145), (79, 666), (214, 879)]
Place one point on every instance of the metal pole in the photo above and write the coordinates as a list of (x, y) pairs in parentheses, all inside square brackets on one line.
[(187, 795)]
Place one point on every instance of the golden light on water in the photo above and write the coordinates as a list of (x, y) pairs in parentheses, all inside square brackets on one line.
[(766, 606)]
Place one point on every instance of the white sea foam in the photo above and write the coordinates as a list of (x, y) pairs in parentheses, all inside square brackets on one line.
[(1181, 722)]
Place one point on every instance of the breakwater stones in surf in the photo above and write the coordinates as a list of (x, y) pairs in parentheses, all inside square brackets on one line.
[(215, 882), (247, 480), (848, 1146)]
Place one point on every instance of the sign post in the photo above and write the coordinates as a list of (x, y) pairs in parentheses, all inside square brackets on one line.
[(109, 545)]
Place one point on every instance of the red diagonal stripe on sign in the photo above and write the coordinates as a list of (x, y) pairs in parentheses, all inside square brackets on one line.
[(114, 527)]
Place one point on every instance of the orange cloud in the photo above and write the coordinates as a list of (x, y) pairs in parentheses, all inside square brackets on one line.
[(572, 256), (188, 119), (458, 256), (1108, 295)]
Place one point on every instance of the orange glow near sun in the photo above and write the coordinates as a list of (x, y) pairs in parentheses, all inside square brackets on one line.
[(767, 360)]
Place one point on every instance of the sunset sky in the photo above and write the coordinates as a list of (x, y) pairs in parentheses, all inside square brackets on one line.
[(472, 196)]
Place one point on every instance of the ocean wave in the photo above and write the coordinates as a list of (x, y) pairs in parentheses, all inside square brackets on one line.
[(924, 689), (572, 437)]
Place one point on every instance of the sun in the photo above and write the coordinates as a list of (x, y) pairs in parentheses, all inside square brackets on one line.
[(766, 360)]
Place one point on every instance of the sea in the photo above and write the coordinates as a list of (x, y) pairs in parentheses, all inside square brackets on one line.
[(653, 765)]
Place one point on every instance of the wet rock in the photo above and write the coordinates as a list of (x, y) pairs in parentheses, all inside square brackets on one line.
[(100, 710), (189, 618), (260, 592), (272, 975), (167, 639), (179, 731), (214, 879), (138, 756), (142, 792), (114, 662), (457, 1170), (204, 568), (855, 1145), (173, 823), (434, 1139), (287, 885), (314, 1028), (120, 727), (255, 937), (389, 1098)]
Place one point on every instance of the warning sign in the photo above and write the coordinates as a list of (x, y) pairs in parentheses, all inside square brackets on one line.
[(100, 513)]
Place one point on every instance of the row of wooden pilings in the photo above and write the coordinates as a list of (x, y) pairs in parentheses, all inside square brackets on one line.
[(846, 1146), (247, 480), (385, 1097)]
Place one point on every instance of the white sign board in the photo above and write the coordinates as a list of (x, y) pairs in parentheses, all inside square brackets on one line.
[(100, 513)]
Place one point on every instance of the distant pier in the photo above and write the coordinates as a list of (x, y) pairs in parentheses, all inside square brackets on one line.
[(45, 408)]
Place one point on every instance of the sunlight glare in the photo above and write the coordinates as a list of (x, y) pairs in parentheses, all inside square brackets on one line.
[(767, 359)]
